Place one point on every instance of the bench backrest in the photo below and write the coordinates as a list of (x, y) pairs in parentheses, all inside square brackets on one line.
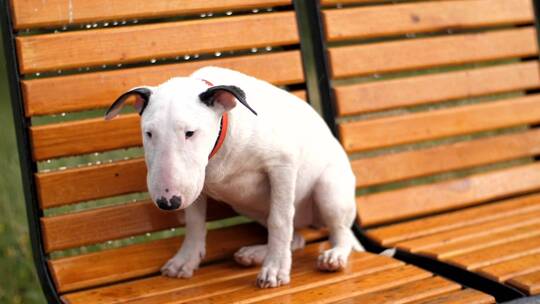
[(90, 177), (435, 102)]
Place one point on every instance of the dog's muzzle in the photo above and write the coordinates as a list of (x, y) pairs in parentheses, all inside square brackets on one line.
[(174, 203)]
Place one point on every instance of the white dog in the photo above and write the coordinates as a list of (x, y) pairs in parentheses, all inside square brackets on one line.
[(275, 162)]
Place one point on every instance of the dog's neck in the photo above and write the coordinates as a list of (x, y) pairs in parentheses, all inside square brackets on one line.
[(223, 127)]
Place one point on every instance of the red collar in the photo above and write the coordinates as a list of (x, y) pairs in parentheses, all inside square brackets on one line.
[(223, 127)]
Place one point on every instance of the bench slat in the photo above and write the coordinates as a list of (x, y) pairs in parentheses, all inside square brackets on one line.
[(416, 290), (469, 232), (428, 89), (424, 53), (446, 251), (505, 271), (115, 222), (85, 136), (530, 283), (414, 201), (496, 254), (143, 42), (464, 296), (342, 289), (396, 130), (132, 261), (99, 90), (387, 20), (390, 235), (74, 185), (37, 13), (399, 166), (224, 281)]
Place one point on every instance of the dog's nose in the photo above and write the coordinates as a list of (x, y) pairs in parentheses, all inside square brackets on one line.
[(172, 204)]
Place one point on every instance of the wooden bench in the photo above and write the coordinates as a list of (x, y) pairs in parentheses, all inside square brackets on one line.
[(98, 239), (437, 103)]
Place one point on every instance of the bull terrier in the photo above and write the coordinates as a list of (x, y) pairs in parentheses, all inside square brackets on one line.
[(272, 159)]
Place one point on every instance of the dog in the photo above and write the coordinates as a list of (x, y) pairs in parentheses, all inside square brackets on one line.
[(223, 134)]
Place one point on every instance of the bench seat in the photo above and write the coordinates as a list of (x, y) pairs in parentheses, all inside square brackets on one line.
[(368, 278), (500, 240)]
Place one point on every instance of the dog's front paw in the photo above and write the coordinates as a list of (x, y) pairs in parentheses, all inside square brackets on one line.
[(183, 264), (275, 272)]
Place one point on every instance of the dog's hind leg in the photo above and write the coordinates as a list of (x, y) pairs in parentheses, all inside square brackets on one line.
[(334, 195), (254, 255)]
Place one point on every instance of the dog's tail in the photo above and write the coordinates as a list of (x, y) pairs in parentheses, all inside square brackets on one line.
[(388, 252)]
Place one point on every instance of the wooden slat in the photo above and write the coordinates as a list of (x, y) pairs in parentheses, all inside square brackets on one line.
[(505, 271), (411, 164), (430, 52), (225, 279), (149, 289), (390, 235), (342, 289), (143, 42), (98, 90), (75, 185), (464, 296), (115, 222), (469, 232), (85, 136), (530, 283), (446, 251), (406, 129), (146, 258), (244, 291), (387, 20), (37, 13), (434, 286), (496, 254), (421, 200), (431, 88)]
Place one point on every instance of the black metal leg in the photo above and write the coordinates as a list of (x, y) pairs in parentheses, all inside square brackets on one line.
[(315, 60), (28, 166)]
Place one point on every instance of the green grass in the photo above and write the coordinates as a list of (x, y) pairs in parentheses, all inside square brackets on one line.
[(18, 282)]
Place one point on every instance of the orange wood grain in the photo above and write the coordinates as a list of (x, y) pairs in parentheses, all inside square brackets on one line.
[(353, 287), (137, 260), (143, 42), (411, 164), (414, 201), (447, 251), (37, 13), (417, 290), (513, 268), (432, 88), (147, 288), (464, 296), (98, 90), (81, 184), (227, 279), (391, 234), (398, 19), (115, 222), (530, 283), (470, 232), (405, 129), (85, 136), (497, 254), (383, 57)]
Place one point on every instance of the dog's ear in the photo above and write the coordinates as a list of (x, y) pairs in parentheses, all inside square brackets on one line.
[(225, 95), (142, 96)]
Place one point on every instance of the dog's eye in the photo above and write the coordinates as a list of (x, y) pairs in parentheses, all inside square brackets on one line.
[(189, 134), (149, 134)]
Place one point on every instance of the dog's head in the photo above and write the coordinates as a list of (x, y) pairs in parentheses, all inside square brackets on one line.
[(180, 122)]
